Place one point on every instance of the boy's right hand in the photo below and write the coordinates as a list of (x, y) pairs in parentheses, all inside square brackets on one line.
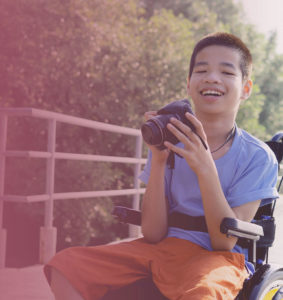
[(157, 155)]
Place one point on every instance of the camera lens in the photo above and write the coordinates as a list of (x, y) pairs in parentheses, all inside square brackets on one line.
[(151, 133), (155, 132)]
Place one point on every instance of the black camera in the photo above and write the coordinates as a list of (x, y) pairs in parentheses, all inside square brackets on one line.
[(155, 132)]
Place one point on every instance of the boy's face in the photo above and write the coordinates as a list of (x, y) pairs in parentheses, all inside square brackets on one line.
[(216, 85)]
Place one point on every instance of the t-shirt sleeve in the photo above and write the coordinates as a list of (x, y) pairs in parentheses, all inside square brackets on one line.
[(257, 181)]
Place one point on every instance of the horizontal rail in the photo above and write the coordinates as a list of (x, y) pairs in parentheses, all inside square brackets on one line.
[(25, 199), (60, 196), (43, 114), (71, 195), (27, 154), (102, 158), (75, 156)]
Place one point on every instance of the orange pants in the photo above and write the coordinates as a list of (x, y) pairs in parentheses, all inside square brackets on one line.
[(179, 268)]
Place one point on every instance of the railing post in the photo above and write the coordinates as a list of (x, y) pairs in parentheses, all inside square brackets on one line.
[(3, 143), (135, 231), (48, 233)]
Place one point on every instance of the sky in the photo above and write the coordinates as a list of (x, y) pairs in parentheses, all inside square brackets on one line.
[(267, 15)]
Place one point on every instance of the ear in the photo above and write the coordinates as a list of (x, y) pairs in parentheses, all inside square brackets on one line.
[(247, 89)]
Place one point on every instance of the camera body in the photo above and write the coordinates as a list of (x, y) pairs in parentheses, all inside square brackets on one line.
[(155, 132)]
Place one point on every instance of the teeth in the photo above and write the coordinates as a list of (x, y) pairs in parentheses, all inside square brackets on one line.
[(211, 92)]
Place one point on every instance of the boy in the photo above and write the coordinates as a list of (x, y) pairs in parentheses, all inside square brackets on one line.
[(231, 178)]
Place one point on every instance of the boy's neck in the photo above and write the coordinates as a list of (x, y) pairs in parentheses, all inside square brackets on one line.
[(217, 130)]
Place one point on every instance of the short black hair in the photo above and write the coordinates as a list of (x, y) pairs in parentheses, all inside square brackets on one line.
[(227, 40)]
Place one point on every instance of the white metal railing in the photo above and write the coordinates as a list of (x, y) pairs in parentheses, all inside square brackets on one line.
[(48, 232)]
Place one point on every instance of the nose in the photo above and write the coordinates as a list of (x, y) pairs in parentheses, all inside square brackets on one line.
[(211, 77)]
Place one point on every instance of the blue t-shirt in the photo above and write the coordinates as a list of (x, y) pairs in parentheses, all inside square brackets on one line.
[(247, 172)]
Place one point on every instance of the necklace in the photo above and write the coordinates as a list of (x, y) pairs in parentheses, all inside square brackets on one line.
[(229, 137)]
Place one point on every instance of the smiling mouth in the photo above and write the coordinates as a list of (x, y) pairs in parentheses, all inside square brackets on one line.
[(211, 93)]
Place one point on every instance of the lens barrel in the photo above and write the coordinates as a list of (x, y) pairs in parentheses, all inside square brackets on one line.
[(152, 133)]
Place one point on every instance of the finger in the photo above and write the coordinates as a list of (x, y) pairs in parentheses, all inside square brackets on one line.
[(174, 148), (184, 128), (193, 134), (178, 134), (150, 114), (197, 124), (189, 132)]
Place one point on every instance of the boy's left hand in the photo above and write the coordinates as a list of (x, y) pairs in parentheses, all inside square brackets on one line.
[(194, 152)]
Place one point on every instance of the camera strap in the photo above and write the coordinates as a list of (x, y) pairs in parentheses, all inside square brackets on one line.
[(171, 160)]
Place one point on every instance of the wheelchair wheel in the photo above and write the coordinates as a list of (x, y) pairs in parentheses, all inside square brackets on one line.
[(270, 286)]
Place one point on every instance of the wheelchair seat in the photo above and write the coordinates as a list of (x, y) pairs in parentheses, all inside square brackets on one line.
[(267, 281)]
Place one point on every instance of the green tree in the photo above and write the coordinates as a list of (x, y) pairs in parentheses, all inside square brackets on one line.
[(271, 83)]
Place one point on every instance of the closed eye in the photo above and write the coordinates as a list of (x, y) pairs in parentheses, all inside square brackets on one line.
[(228, 73), (200, 71)]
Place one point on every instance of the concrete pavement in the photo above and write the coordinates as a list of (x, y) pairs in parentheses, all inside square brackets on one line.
[(24, 284)]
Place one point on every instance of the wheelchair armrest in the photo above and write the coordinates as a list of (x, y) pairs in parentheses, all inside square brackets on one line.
[(241, 229), (127, 215)]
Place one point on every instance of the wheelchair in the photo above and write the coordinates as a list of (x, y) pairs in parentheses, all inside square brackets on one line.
[(256, 237)]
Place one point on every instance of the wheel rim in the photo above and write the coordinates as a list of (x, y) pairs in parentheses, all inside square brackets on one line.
[(271, 289)]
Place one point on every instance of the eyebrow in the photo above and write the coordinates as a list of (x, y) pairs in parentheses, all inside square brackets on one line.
[(201, 63), (225, 64), (229, 65)]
